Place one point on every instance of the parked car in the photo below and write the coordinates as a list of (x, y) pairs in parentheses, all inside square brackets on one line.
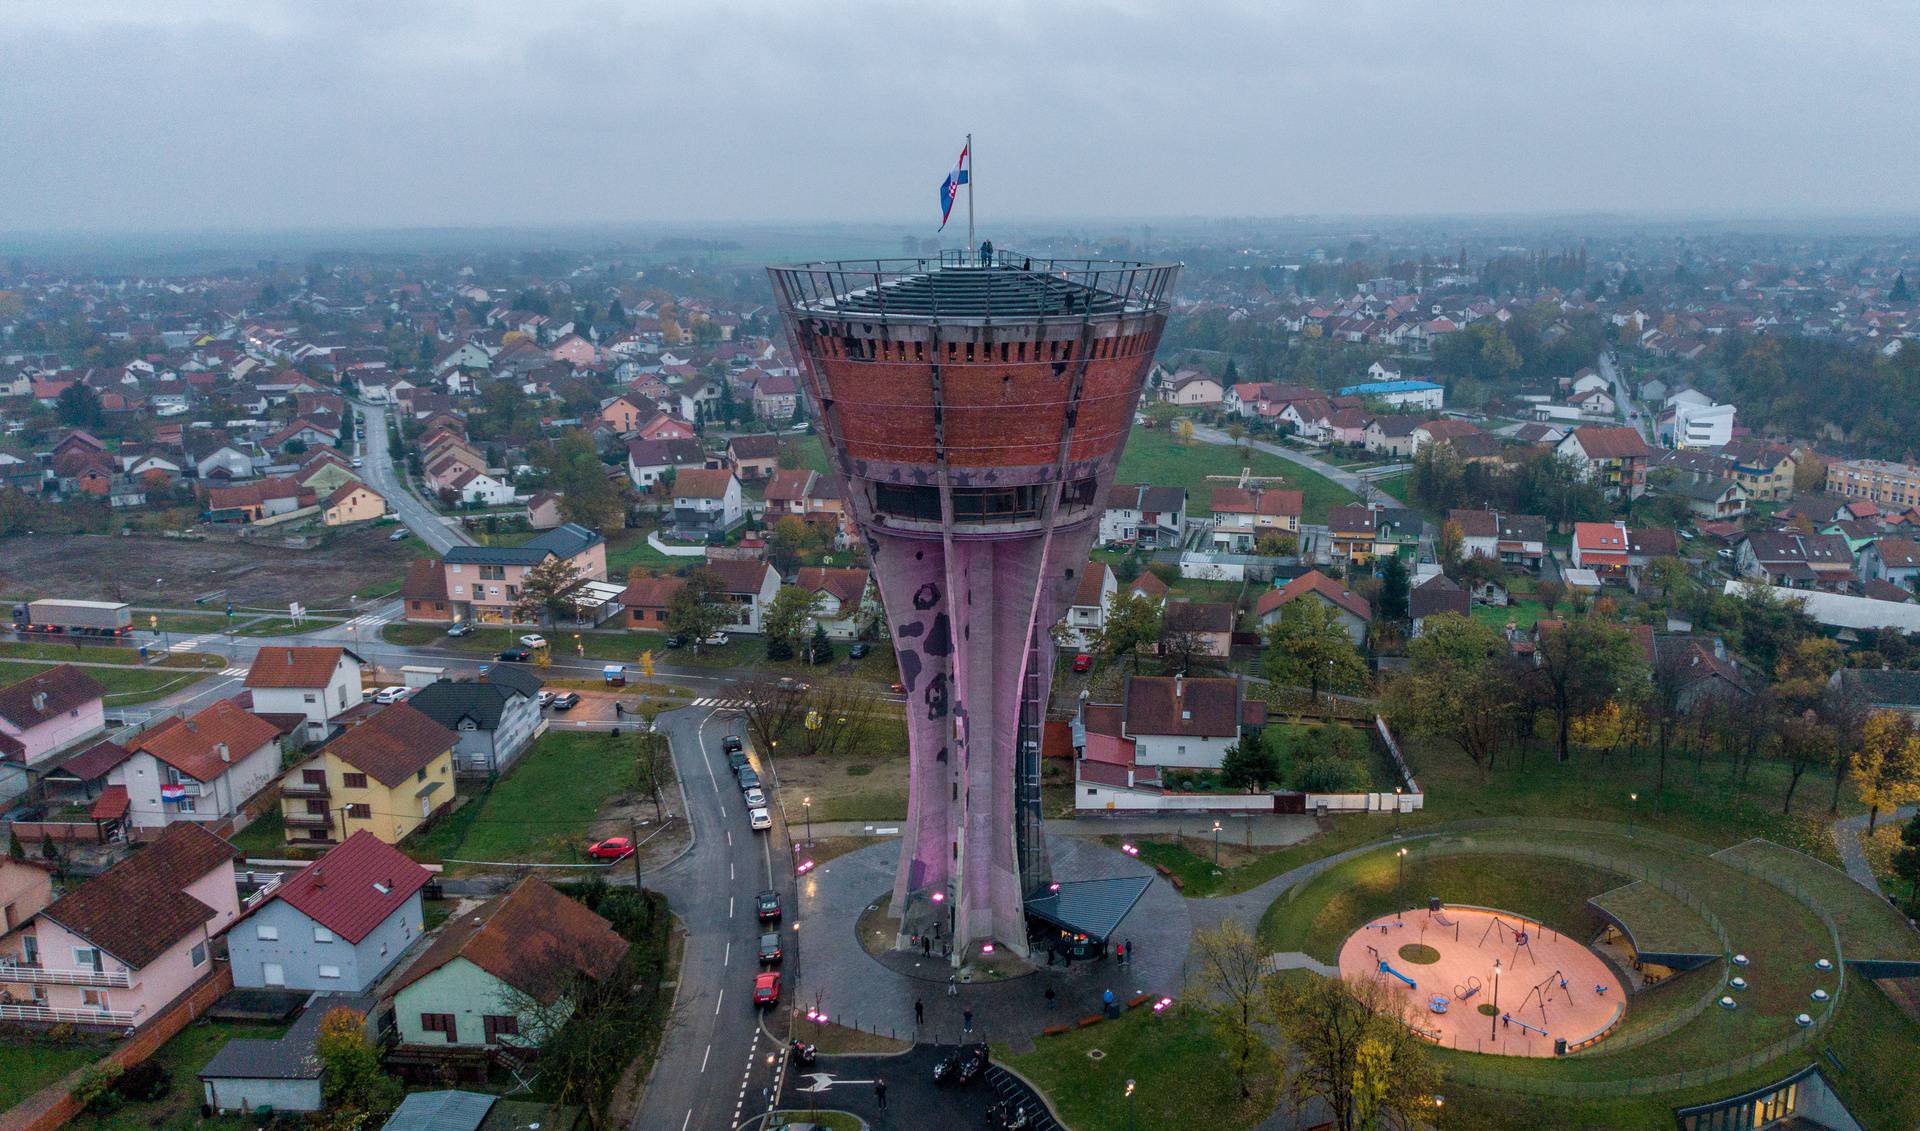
[(748, 779), (767, 905), (460, 628), (533, 640), (858, 649), (770, 952), (612, 848), (766, 989), (399, 535), (566, 700), (515, 656), (391, 694), (543, 700), (788, 683), (759, 819), (674, 641), (737, 760), (1083, 663), (754, 798), (358, 462), (716, 639), (731, 743), (897, 687)]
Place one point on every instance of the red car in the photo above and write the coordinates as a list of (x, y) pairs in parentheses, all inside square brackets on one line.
[(1083, 663), (766, 988), (612, 848)]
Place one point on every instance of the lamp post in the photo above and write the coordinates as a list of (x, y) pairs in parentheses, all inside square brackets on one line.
[(1632, 800), (579, 649), (1493, 1020), (1396, 812), (1400, 890), (806, 804), (1129, 1105), (1216, 844)]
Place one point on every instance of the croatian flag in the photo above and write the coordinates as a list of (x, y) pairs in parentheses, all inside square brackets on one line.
[(950, 188), (172, 793)]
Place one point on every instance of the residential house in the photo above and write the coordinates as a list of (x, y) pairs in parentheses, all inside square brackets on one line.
[(1766, 471), (1401, 394), (776, 398), (1145, 515), (1358, 534), (1796, 561), (49, 712), (423, 592), (1349, 608), (543, 511), (846, 600), (1462, 434), (1600, 547), (204, 767), (1244, 515), (1891, 559), (1162, 723), (496, 717), (319, 684), (387, 773), (216, 457), (749, 587), (1210, 623), (706, 502), (1479, 533), (1433, 597), (336, 926), (279, 1075), (1882, 689), (483, 582), (627, 412), (787, 492), (481, 489), (494, 975), (1192, 388), (1087, 615), (115, 950), (355, 502), (646, 600), (1615, 458), (1391, 435), (1713, 498), (25, 887), (1646, 545), (754, 457), (650, 461), (251, 502)]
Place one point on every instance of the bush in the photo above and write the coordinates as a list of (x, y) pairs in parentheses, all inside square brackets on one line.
[(145, 1081), (95, 1088)]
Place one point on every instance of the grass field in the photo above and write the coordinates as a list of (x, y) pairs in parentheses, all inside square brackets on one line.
[(183, 1057), (628, 548), (192, 623), (811, 452), (1181, 1066), (126, 686), (1161, 459), (27, 1068), (1871, 928), (102, 654), (545, 809), (1659, 922), (285, 626), (1521, 613), (265, 837)]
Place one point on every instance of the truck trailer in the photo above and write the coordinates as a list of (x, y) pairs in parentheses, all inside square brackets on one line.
[(74, 618)]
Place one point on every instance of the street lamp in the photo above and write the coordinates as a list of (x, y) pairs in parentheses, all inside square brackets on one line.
[(579, 649), (1129, 1105), (806, 803), (1216, 845), (1400, 890), (1493, 1019), (1632, 798), (1396, 811)]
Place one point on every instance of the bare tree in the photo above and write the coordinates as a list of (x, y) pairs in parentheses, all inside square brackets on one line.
[(837, 719), (1229, 978), (770, 707)]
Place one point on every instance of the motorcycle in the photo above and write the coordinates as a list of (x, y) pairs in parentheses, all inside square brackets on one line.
[(946, 1069), (803, 1054), (1010, 1115), (973, 1061)]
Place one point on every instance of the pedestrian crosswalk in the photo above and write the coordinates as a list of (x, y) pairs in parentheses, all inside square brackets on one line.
[(234, 671), (722, 704), (193, 644), (366, 621)]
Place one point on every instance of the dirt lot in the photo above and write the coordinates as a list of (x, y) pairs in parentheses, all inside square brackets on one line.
[(99, 567)]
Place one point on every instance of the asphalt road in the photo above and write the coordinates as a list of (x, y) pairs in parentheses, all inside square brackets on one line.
[(913, 1100), (427, 525), (719, 1065)]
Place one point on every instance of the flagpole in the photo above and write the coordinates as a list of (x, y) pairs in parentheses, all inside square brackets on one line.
[(970, 243)]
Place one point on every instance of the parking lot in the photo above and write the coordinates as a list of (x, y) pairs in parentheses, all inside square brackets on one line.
[(914, 1101)]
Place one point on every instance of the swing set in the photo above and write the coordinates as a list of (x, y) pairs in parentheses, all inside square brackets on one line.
[(1542, 994), (1522, 939)]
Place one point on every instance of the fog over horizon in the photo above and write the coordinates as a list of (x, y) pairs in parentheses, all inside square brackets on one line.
[(217, 115)]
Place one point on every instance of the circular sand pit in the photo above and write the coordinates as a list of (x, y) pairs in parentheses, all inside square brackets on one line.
[(1548, 988)]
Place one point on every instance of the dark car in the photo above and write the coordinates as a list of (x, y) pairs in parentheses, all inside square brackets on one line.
[(767, 905), (516, 656), (674, 641), (736, 760), (748, 779), (858, 649), (566, 701), (770, 948), (732, 743)]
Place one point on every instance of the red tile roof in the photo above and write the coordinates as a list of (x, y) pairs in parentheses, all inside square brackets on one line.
[(739, 576), (111, 805), (1320, 585), (192, 745), (702, 482), (291, 667), (139, 908), (1174, 705), (355, 887), (845, 583), (1611, 443), (532, 938), (392, 744)]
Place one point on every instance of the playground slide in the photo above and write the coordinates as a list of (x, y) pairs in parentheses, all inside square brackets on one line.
[(1386, 969)]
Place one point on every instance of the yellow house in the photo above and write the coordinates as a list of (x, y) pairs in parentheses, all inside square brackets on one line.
[(387, 773), (353, 502)]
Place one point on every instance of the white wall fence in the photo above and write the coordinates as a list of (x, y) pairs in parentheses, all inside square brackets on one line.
[(673, 551)]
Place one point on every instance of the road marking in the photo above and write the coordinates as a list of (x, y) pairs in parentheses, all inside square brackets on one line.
[(729, 907), (727, 958), (717, 999), (687, 1120), (730, 875), (234, 671), (703, 1062)]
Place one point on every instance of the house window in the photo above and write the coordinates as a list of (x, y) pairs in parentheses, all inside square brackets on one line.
[(499, 1025), (329, 971), (310, 697), (198, 954), (322, 935), (355, 781), (439, 1023), (86, 958), (266, 933), (360, 812), (313, 777), (94, 999), (185, 805), (420, 774)]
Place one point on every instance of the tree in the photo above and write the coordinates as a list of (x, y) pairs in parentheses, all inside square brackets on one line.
[(1133, 622), (1277, 544), (1183, 431), (1612, 725), (1394, 590), (1183, 650), (1448, 546), (1307, 646), (1805, 742), (1229, 976), (770, 707), (1581, 664), (786, 620), (819, 648), (79, 406), (1886, 771), (1899, 292), (838, 717), (575, 472), (356, 1092), (1250, 764), (698, 609), (1460, 687), (546, 592), (1906, 861), (1353, 1052)]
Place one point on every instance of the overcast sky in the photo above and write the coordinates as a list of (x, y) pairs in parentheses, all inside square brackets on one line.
[(318, 113)]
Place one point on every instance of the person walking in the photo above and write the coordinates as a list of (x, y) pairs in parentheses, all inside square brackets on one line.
[(966, 1021), (1050, 998), (926, 947), (1130, 952), (953, 985), (1120, 954), (880, 1092), (919, 1013)]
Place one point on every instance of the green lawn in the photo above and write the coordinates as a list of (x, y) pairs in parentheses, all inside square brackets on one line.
[(628, 548), (811, 452), (125, 686), (1658, 921), (1182, 1069), (284, 626), (1395, 485), (1161, 459), (100, 654), (1521, 613), (266, 837), (185, 622), (25, 1068), (183, 1057), (544, 810), (1871, 928)]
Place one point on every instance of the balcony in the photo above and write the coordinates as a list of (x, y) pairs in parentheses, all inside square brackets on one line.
[(299, 820), (26, 974), (118, 1018), (304, 790)]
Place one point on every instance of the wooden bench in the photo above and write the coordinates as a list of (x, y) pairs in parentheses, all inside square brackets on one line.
[(1086, 1021)]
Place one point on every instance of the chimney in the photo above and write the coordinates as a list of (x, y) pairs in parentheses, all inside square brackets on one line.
[(39, 701), (319, 877), (221, 749)]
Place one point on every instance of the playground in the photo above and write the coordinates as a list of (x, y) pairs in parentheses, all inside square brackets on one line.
[(1488, 981)]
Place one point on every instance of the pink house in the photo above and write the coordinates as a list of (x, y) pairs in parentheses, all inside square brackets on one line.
[(574, 350), (115, 950), (483, 582), (46, 713), (25, 887)]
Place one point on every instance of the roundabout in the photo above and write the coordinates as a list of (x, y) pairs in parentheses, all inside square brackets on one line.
[(1488, 981)]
